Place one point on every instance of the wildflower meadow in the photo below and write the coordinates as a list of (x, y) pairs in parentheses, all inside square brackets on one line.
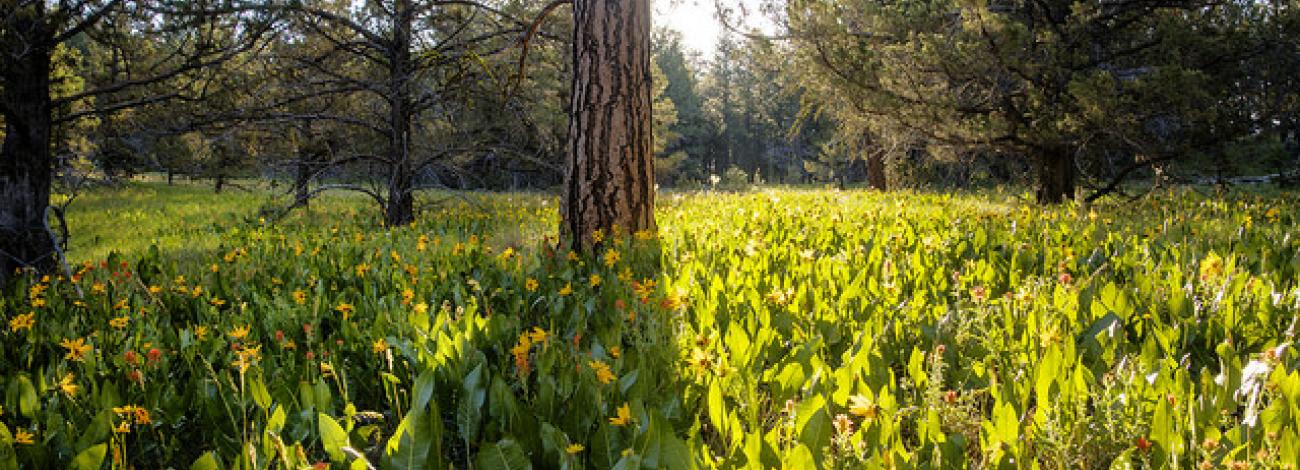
[(774, 328)]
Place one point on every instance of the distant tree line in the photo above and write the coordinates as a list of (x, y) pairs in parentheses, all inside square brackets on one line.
[(390, 97)]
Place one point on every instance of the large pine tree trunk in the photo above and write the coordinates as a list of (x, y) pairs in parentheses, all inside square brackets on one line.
[(609, 175), (25, 161), (1056, 175), (400, 209)]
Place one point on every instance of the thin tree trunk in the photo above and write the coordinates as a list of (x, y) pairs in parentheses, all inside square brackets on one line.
[(1056, 176), (609, 175), (25, 160), (302, 180), (876, 171)]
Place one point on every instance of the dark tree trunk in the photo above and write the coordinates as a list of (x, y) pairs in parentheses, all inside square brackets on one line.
[(400, 208), (302, 181), (609, 175), (876, 171), (219, 184), (25, 161), (1056, 176), (401, 201), (171, 174)]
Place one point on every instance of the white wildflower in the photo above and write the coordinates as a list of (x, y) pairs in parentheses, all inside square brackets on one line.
[(1253, 377)]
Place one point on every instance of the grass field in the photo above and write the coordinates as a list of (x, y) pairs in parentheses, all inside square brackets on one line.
[(790, 328)]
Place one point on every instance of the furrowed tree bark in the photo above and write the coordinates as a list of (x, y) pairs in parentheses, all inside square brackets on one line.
[(25, 160), (400, 209), (609, 173), (1056, 175)]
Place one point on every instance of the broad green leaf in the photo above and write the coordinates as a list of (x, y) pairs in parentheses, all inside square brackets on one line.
[(206, 462), (502, 455), (90, 459), (332, 437)]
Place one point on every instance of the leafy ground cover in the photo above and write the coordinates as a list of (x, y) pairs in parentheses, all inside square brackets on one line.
[(793, 328)]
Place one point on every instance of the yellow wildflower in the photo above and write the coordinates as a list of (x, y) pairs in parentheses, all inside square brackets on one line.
[(611, 258), (574, 448), (538, 335), (200, 332), (597, 236), (23, 321), (603, 374), (566, 290), (863, 407), (239, 332), (119, 322), (1211, 266), (379, 346), (421, 308), (68, 386), (346, 309), (594, 280), (299, 297), (530, 285), (77, 349), (24, 437), (1272, 214), (615, 352), (98, 288), (407, 296), (326, 370), (242, 363), (123, 428), (155, 289), (623, 417)]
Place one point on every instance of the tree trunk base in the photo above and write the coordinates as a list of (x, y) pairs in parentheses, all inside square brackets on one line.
[(31, 247), (1056, 177)]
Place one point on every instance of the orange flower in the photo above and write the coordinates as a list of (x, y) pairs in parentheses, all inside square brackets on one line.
[(520, 352), (24, 437)]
